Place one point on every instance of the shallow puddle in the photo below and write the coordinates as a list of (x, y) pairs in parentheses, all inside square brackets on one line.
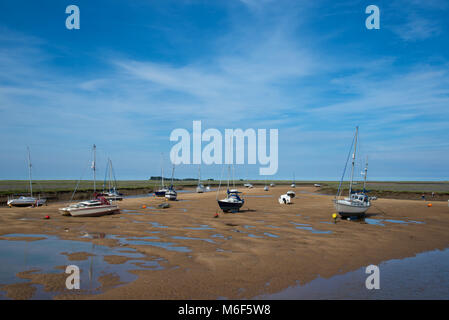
[(143, 241), (190, 238), (45, 255), (271, 235), (201, 227), (307, 227), (424, 276)]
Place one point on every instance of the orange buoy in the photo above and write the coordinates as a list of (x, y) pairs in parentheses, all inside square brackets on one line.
[(144, 206), (429, 205)]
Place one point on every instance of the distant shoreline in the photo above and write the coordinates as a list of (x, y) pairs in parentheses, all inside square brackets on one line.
[(62, 190)]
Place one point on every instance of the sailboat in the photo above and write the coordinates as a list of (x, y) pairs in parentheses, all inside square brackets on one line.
[(171, 193), (358, 202), (98, 206), (232, 202), (112, 193), (200, 187), (161, 192), (266, 188), (293, 185), (24, 201)]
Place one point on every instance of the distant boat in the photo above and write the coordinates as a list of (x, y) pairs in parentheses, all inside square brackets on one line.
[(112, 193), (98, 206), (233, 202), (357, 203), (272, 184), (266, 186), (171, 193), (200, 187), (161, 192), (208, 188), (317, 185), (24, 201), (293, 185), (248, 185)]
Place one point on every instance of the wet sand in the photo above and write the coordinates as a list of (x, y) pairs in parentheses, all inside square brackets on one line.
[(264, 249)]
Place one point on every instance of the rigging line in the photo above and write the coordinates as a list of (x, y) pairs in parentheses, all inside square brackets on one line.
[(105, 176), (76, 187), (219, 185), (344, 171)]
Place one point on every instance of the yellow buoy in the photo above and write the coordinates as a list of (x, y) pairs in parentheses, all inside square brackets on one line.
[(334, 215)]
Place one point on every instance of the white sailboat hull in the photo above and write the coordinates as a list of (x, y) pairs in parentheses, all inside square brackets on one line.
[(25, 202), (90, 211), (350, 208)]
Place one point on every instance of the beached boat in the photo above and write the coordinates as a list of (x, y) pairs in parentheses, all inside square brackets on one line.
[(357, 203), (25, 201), (171, 193), (98, 206), (161, 192), (266, 188), (200, 186), (287, 198), (293, 185), (232, 203), (113, 193)]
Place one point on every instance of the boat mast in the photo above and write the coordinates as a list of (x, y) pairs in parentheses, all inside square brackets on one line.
[(29, 166), (172, 175), (199, 174), (93, 166), (353, 160), (366, 172)]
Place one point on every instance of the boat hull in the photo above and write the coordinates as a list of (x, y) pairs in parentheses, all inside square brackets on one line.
[(159, 193), (230, 206), (90, 212), (26, 203), (170, 196), (346, 209)]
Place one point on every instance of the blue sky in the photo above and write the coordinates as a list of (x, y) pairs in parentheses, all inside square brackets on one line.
[(136, 70)]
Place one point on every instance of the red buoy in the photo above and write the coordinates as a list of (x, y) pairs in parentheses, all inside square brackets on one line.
[(47, 217)]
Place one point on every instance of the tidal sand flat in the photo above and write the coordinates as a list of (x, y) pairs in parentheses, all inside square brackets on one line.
[(185, 252)]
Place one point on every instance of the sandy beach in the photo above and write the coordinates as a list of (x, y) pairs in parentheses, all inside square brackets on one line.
[(263, 249)]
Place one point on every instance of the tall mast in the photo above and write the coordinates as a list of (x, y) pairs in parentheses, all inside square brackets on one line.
[(162, 169), (229, 173), (29, 167), (353, 160), (172, 174), (199, 174), (93, 166)]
